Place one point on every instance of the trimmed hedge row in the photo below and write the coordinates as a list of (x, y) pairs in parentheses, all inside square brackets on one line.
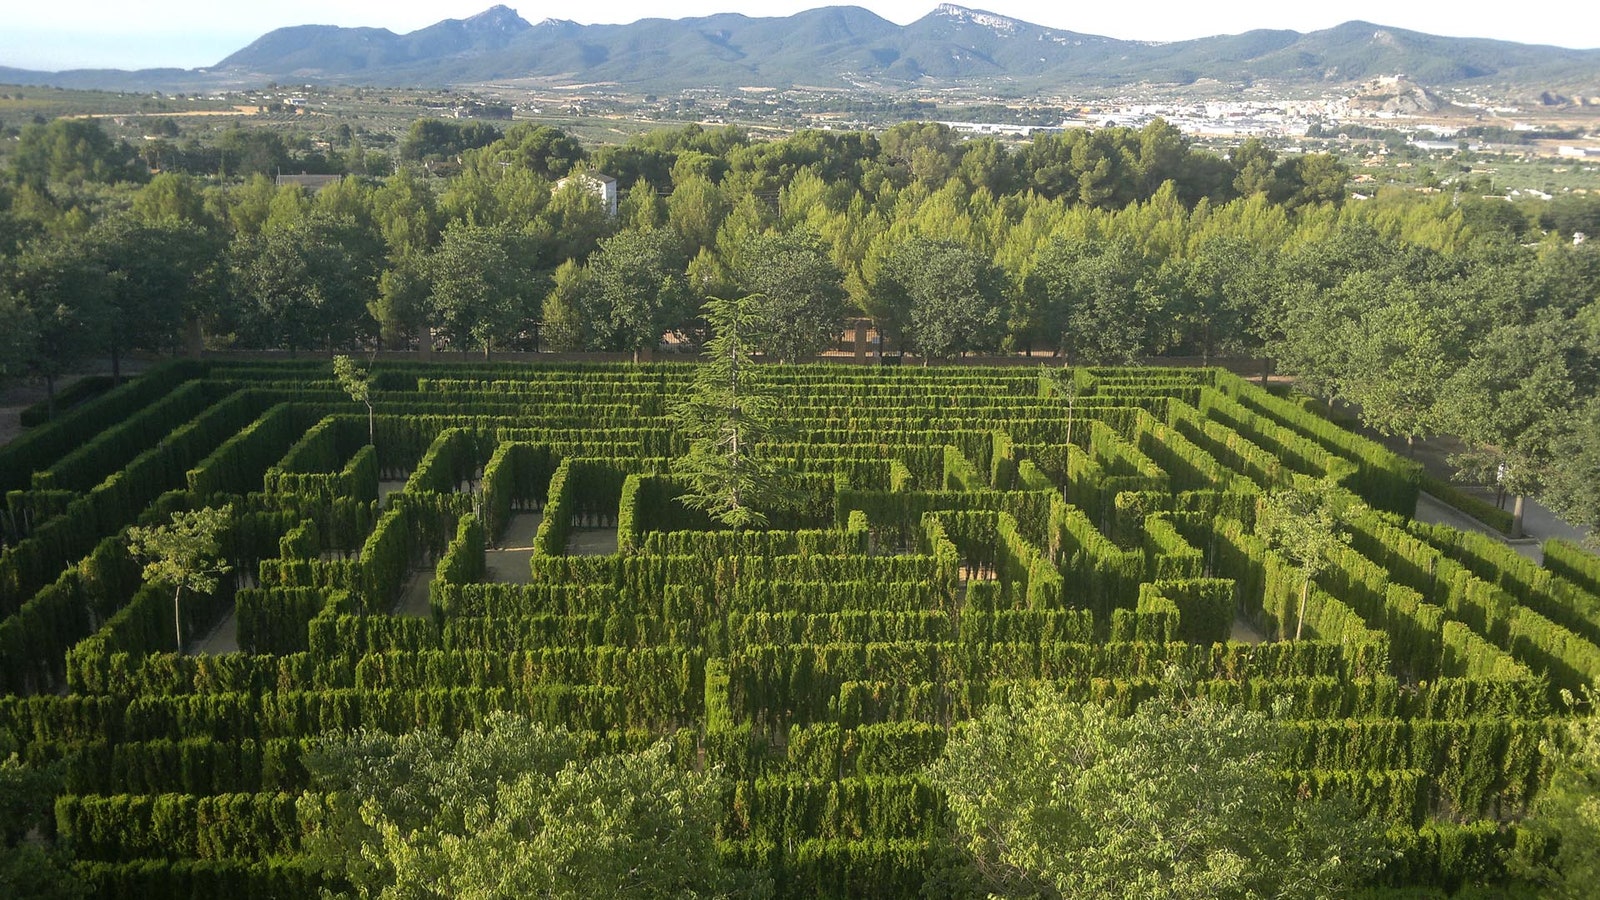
[(125, 827), (204, 879), (826, 666), (117, 501), (1574, 563), (196, 765), (276, 620), (301, 714), (1385, 480), (38, 450)]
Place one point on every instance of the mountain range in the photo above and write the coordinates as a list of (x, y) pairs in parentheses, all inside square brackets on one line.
[(843, 47)]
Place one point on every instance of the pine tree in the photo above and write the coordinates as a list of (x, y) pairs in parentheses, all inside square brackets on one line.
[(724, 417)]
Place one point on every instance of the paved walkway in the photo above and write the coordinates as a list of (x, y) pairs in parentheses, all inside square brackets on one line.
[(414, 599), (592, 542), (224, 638), (511, 562), (1538, 523)]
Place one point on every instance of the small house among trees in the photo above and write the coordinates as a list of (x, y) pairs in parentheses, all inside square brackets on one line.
[(602, 186)]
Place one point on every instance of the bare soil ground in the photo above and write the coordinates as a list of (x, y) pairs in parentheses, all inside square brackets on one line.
[(19, 395), (15, 399), (385, 488)]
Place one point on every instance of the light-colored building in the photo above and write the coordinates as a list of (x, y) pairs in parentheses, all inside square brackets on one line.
[(602, 186)]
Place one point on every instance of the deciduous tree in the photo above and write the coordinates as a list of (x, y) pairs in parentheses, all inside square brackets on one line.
[(66, 295), (1092, 298), (484, 285), (636, 291), (357, 382), (1306, 522), (939, 298), (183, 554), (801, 304), (1179, 799), (515, 810)]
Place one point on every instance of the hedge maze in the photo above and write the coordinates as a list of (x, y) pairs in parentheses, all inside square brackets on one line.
[(959, 531)]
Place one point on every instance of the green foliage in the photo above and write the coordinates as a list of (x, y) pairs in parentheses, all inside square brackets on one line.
[(1574, 563), (799, 290), (358, 384), (636, 291), (305, 283), (183, 554), (1057, 798), (1305, 523), (724, 418), (1090, 299), (515, 809), (939, 298), (434, 139), (30, 867), (483, 284), (959, 543), (1567, 813), (1482, 510), (1572, 478), (73, 151)]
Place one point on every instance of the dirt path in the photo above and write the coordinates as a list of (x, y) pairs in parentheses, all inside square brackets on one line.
[(18, 397), (15, 398), (385, 488), (11, 422)]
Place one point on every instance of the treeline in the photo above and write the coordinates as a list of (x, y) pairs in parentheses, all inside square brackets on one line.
[(811, 222)]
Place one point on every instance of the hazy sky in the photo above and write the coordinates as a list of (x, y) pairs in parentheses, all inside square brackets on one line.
[(59, 34)]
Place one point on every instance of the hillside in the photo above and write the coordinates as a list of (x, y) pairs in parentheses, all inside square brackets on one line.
[(852, 47)]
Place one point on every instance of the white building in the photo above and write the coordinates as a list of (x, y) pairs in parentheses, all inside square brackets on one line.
[(602, 186)]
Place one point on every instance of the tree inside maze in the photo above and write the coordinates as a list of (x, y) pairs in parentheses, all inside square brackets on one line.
[(357, 383), (183, 554), (725, 415), (1306, 524)]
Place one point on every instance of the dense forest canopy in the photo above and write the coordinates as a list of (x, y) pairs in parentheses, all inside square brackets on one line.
[(1434, 312)]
